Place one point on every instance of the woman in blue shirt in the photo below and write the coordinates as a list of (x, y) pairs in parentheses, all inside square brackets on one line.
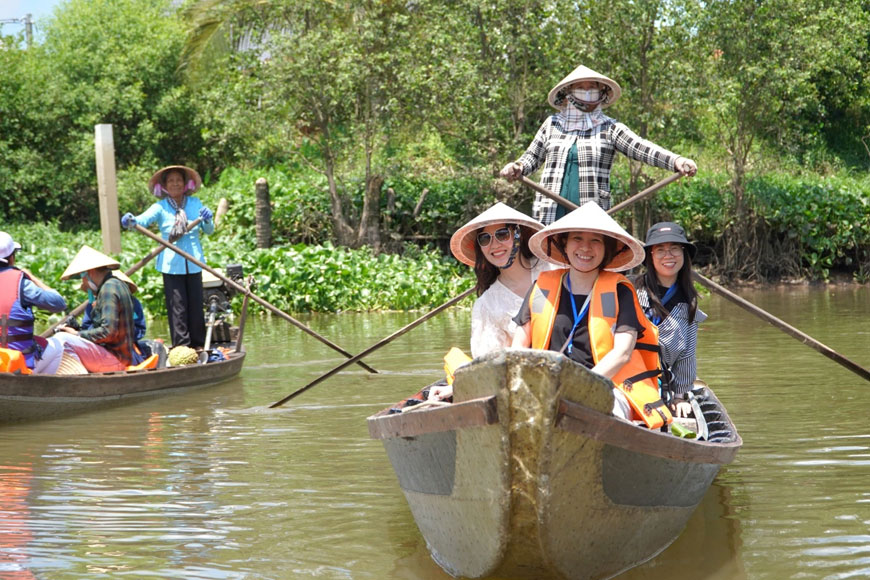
[(182, 280)]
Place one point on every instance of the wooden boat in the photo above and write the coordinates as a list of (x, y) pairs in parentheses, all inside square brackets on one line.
[(32, 397), (529, 475), (36, 397)]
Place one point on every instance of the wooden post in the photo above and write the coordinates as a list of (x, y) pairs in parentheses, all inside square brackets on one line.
[(263, 214), (108, 189)]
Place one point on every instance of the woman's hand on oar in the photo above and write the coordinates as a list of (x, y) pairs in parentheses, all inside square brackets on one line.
[(135, 268), (246, 292)]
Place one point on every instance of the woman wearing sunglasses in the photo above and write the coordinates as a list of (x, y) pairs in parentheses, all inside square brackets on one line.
[(577, 145), (496, 245), (668, 298), (590, 313)]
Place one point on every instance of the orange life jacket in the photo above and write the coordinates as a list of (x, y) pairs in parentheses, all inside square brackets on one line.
[(637, 378), (13, 361)]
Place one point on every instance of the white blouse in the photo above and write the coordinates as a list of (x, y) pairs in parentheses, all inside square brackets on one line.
[(492, 326)]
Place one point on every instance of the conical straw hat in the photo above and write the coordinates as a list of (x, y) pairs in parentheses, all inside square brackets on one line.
[(88, 259), (583, 73), (589, 217), (189, 174), (463, 241), (126, 279)]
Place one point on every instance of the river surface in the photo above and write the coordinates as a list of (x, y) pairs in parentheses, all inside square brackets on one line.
[(210, 484)]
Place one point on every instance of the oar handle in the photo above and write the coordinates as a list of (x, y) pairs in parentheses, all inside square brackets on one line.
[(570, 205), (245, 291), (784, 326), (374, 347), (646, 192), (133, 269)]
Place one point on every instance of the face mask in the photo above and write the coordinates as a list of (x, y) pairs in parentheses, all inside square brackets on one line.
[(589, 96)]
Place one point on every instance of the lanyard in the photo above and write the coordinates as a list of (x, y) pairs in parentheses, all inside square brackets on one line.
[(569, 344), (656, 319)]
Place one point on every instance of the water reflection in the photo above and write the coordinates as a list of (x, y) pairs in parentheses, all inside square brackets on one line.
[(212, 484)]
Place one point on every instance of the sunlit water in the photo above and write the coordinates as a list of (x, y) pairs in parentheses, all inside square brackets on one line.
[(211, 484)]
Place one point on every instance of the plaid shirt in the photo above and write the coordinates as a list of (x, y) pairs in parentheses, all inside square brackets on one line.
[(112, 316), (595, 150)]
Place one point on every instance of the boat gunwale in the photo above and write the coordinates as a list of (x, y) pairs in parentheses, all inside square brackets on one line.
[(581, 420), (472, 413), (39, 386)]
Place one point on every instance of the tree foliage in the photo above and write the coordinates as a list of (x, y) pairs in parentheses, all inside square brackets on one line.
[(391, 102)]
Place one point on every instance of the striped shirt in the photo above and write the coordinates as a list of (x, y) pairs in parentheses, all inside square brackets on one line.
[(596, 149), (677, 338)]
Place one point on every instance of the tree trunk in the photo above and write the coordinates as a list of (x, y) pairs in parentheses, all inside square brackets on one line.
[(263, 214), (369, 223), (344, 234)]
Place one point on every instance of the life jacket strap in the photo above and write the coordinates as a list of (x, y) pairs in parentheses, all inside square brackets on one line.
[(645, 346), (656, 406), (627, 383)]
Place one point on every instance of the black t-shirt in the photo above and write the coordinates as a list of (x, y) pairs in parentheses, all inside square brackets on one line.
[(679, 296), (626, 319)]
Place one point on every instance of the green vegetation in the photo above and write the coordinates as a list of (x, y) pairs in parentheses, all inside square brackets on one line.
[(380, 125), (294, 278)]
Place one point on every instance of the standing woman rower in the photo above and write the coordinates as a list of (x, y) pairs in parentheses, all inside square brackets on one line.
[(577, 146), (669, 299), (496, 245), (182, 280)]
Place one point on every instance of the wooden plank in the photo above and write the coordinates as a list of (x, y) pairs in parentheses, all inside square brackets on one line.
[(107, 188), (473, 413), (583, 421)]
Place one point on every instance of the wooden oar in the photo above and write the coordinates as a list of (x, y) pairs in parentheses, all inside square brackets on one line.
[(133, 269), (783, 326), (706, 282), (246, 292), (622, 205), (374, 347)]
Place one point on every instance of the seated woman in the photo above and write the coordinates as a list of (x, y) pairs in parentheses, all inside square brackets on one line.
[(496, 245), (590, 313), (139, 324), (668, 297)]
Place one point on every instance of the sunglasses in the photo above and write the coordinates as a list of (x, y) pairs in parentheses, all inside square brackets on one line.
[(501, 234)]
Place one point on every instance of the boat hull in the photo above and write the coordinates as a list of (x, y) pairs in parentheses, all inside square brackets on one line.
[(528, 474), (37, 397)]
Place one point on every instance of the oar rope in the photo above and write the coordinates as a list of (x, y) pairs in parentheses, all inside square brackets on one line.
[(374, 347), (706, 282), (246, 292), (133, 269), (648, 191)]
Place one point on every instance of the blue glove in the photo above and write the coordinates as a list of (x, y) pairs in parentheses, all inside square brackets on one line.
[(205, 214), (128, 221)]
